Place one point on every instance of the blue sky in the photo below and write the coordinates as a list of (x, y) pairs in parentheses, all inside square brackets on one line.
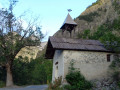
[(52, 13)]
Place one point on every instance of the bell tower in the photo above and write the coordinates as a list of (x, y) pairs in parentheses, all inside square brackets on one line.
[(68, 25)]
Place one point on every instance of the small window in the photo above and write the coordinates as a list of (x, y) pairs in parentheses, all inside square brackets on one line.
[(108, 57)]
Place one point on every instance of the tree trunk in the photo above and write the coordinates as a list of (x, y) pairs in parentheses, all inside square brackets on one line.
[(9, 79)]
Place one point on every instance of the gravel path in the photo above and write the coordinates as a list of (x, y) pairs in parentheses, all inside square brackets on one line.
[(32, 87)]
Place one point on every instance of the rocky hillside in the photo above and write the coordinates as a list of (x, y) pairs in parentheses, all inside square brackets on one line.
[(99, 13), (31, 51)]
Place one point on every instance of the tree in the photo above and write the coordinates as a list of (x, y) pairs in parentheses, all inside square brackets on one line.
[(13, 37)]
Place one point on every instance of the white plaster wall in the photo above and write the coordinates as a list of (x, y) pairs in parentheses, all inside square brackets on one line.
[(93, 65), (58, 57)]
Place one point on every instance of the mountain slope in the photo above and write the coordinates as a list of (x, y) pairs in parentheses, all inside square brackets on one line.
[(99, 13)]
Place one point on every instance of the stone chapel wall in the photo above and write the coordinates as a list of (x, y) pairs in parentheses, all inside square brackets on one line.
[(93, 65)]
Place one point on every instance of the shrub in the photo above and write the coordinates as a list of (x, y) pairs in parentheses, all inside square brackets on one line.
[(99, 9), (88, 17), (56, 84), (38, 71), (115, 65), (116, 76), (116, 5), (2, 84), (84, 35), (118, 84), (76, 80)]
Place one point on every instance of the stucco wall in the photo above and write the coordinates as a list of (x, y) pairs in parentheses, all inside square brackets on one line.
[(93, 65), (58, 57)]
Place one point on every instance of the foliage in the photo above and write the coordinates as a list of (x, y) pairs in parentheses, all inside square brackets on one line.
[(22, 69), (2, 74), (116, 63), (116, 6), (109, 34), (2, 77), (88, 17), (116, 24), (95, 3), (85, 34), (118, 84), (42, 71), (105, 35), (99, 9), (99, 33), (116, 76), (38, 71), (76, 80), (2, 84), (56, 84), (110, 41), (13, 37)]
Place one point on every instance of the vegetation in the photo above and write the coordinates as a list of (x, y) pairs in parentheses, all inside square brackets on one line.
[(38, 71), (88, 17), (116, 6), (76, 80), (13, 37), (2, 84), (2, 77), (105, 35), (115, 66), (56, 84), (85, 34), (95, 3)]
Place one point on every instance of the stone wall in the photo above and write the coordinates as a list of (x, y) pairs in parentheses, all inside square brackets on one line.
[(93, 65)]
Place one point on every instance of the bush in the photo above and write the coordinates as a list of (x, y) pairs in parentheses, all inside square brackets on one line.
[(88, 17), (2, 84), (116, 76), (76, 80), (38, 71), (2, 74), (116, 5), (115, 66), (56, 84)]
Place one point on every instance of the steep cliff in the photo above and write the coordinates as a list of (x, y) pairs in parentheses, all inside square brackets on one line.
[(99, 13)]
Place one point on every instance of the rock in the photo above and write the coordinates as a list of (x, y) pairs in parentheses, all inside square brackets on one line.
[(105, 84)]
